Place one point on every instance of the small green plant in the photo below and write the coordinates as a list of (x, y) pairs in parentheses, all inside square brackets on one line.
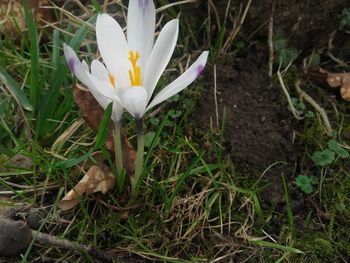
[(328, 155), (337, 149), (284, 53), (306, 183), (344, 19), (323, 158), (301, 108)]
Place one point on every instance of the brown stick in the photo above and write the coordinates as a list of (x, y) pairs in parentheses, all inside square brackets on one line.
[(53, 241)]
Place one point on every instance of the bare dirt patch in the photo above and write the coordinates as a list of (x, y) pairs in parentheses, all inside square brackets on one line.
[(258, 129)]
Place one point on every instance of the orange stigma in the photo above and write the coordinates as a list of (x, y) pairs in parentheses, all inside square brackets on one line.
[(112, 80), (135, 72)]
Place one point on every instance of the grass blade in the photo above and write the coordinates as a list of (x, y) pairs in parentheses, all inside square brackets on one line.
[(276, 246), (48, 106), (34, 57), (182, 180), (103, 128), (15, 89)]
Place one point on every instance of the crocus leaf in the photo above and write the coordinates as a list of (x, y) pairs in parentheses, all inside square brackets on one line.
[(15, 89), (103, 127), (92, 113)]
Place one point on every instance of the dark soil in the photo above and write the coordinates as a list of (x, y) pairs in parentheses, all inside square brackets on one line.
[(258, 124), (308, 23), (258, 129)]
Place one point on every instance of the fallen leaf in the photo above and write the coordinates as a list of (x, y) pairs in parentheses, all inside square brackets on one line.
[(12, 15), (22, 161), (92, 113), (345, 88), (97, 179), (334, 80)]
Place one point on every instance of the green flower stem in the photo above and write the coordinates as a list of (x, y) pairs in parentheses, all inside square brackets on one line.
[(118, 148), (139, 159)]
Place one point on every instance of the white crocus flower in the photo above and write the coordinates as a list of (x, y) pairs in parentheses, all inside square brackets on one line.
[(81, 71), (134, 66)]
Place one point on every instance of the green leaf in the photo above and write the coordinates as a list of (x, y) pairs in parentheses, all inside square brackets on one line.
[(35, 86), (309, 114), (155, 121), (314, 60), (49, 105), (280, 41), (148, 138), (103, 128), (276, 246), (287, 55), (96, 5), (15, 89), (175, 113), (79, 36), (72, 162), (306, 183), (323, 158), (335, 147)]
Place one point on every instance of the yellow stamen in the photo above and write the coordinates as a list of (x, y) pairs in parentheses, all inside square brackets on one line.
[(112, 80), (135, 72)]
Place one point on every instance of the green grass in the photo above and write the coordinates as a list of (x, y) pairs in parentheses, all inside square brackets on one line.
[(194, 206)]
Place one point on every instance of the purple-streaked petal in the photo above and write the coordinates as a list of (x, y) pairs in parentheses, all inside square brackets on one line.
[(181, 82), (78, 69)]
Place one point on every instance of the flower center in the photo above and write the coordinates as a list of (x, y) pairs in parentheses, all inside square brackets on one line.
[(112, 80), (135, 72)]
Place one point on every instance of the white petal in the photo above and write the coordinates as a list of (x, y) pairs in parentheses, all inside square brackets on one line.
[(141, 27), (113, 47), (85, 65), (81, 70), (98, 70), (161, 54), (78, 69), (181, 82), (104, 88), (104, 93), (134, 100), (117, 112)]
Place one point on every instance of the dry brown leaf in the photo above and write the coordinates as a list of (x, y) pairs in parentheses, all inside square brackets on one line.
[(92, 113), (345, 88), (22, 161), (12, 15), (97, 179), (334, 80)]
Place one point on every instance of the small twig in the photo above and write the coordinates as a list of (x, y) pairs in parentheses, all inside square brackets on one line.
[(216, 99), (160, 9), (318, 108), (285, 91), (330, 47), (53, 241), (116, 208), (234, 34), (270, 41)]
